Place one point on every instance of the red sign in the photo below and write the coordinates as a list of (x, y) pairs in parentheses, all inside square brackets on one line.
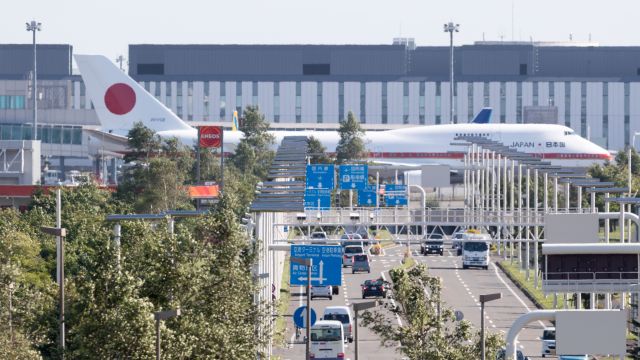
[(210, 136)]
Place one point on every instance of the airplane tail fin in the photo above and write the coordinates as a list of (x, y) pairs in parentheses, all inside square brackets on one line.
[(483, 117), (120, 101), (234, 125)]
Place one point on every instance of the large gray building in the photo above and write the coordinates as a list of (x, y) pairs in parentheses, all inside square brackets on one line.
[(593, 89)]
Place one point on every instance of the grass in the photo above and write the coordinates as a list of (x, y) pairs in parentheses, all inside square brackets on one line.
[(529, 286), (283, 306), (407, 263), (385, 238)]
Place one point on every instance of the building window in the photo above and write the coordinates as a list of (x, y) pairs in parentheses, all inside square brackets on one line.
[(503, 103), (385, 109), (239, 98), (179, 100), (552, 94), (12, 101), (363, 97), (536, 100), (485, 94), (523, 69), (438, 103), (470, 113), (421, 105), (583, 109), (567, 104), (626, 114), (319, 102), (205, 101), (223, 100), (190, 100), (605, 113), (168, 87), (298, 102), (405, 103), (341, 100), (276, 101), (254, 86), (519, 103)]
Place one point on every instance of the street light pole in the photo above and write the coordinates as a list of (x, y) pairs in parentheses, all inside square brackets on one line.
[(163, 315), (483, 299), (34, 26), (308, 263), (359, 307), (451, 28)]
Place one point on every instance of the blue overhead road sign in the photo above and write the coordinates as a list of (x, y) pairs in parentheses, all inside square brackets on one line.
[(353, 177), (299, 317), (367, 197), (395, 195), (317, 198), (326, 269), (320, 176)]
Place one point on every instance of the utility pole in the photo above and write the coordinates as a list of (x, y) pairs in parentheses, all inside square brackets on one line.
[(451, 28)]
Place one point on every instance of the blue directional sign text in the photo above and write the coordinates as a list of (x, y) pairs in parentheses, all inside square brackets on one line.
[(353, 177), (317, 199), (320, 176), (395, 195), (326, 268), (367, 196)]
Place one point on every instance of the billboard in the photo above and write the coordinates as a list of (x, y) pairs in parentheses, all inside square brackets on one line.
[(210, 136)]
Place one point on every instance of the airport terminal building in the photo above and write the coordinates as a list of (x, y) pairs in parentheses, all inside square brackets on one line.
[(593, 89)]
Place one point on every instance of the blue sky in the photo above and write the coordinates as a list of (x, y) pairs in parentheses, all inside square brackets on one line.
[(107, 27)]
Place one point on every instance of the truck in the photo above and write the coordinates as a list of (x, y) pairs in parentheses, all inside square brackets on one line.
[(475, 251)]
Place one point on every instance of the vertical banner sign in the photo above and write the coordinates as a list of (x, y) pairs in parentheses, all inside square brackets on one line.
[(354, 177)]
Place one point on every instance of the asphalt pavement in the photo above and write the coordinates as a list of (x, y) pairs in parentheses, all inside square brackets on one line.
[(461, 291), (350, 293), (463, 287)]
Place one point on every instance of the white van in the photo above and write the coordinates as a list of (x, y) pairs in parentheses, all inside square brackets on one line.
[(475, 251), (342, 314), (327, 340)]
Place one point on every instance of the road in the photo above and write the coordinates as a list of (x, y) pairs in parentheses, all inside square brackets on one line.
[(463, 287), (460, 292), (350, 293)]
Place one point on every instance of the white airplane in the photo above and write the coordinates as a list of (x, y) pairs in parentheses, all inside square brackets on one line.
[(120, 102)]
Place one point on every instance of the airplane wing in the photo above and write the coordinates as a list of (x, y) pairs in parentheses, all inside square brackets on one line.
[(103, 142)]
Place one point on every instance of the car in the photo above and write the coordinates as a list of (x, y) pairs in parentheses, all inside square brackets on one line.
[(456, 239), (432, 247), (377, 287), (318, 237), (548, 341), (342, 314), (327, 340), (361, 263), (501, 355), (351, 239), (349, 252), (364, 233), (322, 291)]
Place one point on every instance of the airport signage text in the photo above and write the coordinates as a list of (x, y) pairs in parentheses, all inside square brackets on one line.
[(353, 177), (326, 268)]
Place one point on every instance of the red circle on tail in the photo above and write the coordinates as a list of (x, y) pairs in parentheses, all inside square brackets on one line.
[(120, 98)]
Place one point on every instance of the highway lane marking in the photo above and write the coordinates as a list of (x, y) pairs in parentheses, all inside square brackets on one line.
[(495, 269)]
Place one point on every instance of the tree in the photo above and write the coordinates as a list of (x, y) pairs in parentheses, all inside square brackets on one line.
[(317, 151), (254, 154), (351, 145), (162, 187), (143, 142)]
